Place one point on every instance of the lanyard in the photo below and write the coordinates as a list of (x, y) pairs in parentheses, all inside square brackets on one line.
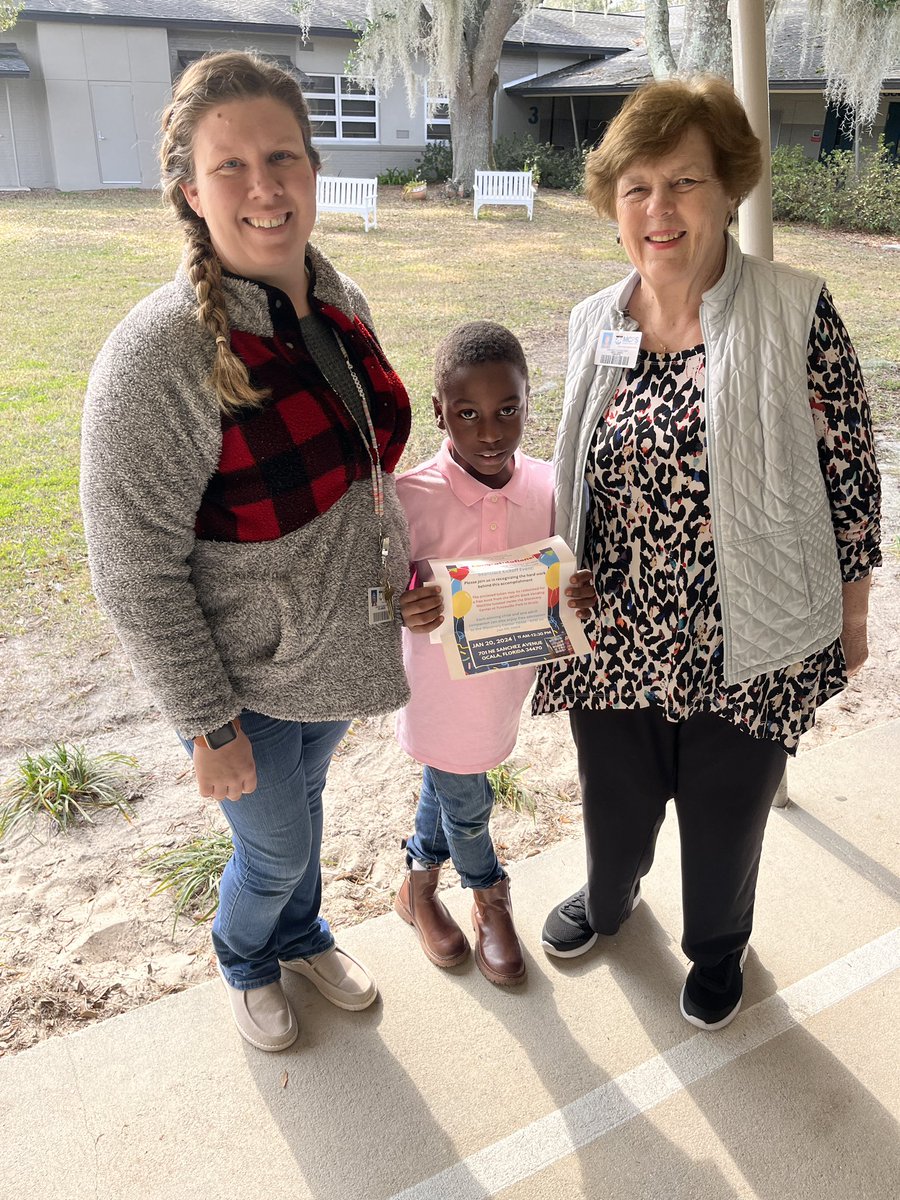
[(371, 444), (368, 435)]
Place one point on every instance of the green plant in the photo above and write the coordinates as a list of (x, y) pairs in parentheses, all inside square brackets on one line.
[(552, 166), (509, 792), (828, 193), (396, 176), (64, 784), (193, 870), (534, 166), (435, 163)]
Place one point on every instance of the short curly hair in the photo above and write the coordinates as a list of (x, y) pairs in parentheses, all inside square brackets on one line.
[(655, 118), (476, 342)]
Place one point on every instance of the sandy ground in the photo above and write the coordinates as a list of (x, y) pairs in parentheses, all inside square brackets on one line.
[(81, 936)]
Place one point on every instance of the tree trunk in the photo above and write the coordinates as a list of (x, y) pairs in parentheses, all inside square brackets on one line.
[(471, 119), (656, 35), (707, 39), (472, 101)]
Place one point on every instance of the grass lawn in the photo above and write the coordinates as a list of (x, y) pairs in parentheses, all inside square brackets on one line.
[(71, 265)]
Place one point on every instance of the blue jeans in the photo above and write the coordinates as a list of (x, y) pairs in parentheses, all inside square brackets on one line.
[(272, 886), (452, 822)]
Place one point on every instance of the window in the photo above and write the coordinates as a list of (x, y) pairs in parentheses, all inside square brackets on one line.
[(341, 109), (186, 57), (437, 117)]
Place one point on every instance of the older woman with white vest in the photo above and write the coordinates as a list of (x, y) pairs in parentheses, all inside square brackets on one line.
[(715, 470)]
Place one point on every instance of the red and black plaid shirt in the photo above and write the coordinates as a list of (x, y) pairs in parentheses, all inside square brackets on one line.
[(283, 465)]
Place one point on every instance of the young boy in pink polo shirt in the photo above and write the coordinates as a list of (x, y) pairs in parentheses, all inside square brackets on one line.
[(478, 495)]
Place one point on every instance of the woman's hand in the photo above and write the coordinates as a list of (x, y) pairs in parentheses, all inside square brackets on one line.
[(854, 637), (582, 595), (227, 773), (422, 608)]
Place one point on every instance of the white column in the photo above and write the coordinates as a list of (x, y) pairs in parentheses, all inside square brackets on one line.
[(751, 82)]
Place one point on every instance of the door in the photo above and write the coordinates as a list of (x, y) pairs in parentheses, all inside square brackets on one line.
[(115, 133), (9, 166), (892, 130), (837, 133)]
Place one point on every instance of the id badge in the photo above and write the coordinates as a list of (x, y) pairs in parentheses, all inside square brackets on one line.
[(618, 347), (380, 610)]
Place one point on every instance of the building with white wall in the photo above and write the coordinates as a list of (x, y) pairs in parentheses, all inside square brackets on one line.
[(83, 83), (87, 80)]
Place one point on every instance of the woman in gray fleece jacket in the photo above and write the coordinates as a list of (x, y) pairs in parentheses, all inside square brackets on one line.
[(241, 428)]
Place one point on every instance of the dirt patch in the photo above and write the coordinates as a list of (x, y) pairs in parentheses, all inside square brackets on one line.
[(81, 936)]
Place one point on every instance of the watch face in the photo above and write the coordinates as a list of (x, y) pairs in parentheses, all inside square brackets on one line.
[(216, 738)]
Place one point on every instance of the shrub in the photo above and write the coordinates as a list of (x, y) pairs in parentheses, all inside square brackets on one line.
[(435, 164), (827, 193), (63, 785), (553, 166), (397, 176)]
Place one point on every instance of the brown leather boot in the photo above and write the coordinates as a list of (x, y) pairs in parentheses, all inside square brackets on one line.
[(442, 939), (498, 951)]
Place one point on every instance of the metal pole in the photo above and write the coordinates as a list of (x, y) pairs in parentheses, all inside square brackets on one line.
[(574, 122), (781, 798), (751, 82), (12, 134), (856, 147)]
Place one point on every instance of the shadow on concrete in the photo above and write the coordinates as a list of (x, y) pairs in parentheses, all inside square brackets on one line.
[(361, 1133), (851, 856), (568, 1073), (790, 1116)]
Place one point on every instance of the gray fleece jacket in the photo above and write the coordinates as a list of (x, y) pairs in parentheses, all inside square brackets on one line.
[(278, 627)]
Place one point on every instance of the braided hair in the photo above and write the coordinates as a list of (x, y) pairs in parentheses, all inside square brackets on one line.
[(212, 80)]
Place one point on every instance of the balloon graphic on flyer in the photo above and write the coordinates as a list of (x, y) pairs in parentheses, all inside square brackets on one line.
[(506, 609)]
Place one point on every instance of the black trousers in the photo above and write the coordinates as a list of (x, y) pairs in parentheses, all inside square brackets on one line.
[(723, 781)]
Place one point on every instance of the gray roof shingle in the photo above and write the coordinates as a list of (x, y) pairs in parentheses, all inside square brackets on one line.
[(546, 28), (331, 15), (795, 56), (12, 64)]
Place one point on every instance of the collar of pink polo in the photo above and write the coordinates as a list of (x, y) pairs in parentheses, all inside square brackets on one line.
[(468, 490)]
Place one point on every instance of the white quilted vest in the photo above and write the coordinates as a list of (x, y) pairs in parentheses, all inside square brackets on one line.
[(776, 555)]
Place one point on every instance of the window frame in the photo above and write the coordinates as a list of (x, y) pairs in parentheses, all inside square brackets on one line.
[(429, 102), (338, 96)]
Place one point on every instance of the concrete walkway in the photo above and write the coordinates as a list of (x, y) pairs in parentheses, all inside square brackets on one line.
[(585, 1082)]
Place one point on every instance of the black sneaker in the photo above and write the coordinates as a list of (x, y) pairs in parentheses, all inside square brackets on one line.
[(566, 931), (711, 996)]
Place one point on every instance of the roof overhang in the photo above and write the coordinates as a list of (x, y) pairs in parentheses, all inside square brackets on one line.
[(181, 23), (12, 64)]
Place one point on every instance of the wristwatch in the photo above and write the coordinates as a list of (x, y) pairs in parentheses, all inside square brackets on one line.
[(215, 739)]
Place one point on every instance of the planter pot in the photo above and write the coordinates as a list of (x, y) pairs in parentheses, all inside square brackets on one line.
[(418, 193)]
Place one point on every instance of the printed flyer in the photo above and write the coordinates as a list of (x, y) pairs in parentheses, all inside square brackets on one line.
[(504, 609)]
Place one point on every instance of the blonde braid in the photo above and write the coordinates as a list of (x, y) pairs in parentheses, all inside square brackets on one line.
[(219, 79), (229, 377)]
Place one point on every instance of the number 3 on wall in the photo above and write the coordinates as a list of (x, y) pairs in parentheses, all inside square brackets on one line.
[(533, 115)]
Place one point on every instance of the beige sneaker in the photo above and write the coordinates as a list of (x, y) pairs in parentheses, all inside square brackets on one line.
[(263, 1015), (338, 976)]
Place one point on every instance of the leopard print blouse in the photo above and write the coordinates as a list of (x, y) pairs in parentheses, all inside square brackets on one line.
[(656, 635)]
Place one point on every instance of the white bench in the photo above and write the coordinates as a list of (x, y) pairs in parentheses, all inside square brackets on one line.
[(504, 187), (337, 193)]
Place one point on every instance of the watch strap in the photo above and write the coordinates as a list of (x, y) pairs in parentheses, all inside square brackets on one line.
[(215, 739)]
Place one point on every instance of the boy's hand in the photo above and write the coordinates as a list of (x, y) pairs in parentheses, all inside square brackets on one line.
[(422, 609), (582, 596)]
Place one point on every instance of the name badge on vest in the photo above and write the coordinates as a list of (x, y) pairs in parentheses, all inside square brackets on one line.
[(618, 347)]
